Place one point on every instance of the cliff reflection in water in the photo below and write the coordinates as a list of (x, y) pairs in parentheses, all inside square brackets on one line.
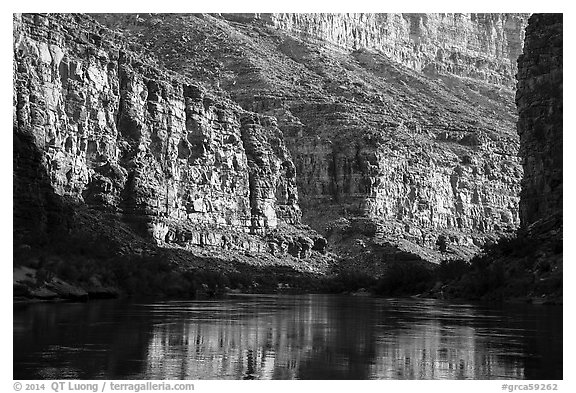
[(340, 337), (287, 337)]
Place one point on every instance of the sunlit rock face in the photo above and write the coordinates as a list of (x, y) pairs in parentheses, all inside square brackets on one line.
[(98, 121), (423, 154), (540, 109), (479, 46)]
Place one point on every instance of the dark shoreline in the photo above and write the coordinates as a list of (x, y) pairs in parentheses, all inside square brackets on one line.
[(537, 301)]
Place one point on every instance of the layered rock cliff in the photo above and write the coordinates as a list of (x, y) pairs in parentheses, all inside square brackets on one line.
[(479, 46), (109, 127), (387, 117)]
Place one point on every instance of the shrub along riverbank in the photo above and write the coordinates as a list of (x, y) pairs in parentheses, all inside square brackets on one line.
[(102, 260)]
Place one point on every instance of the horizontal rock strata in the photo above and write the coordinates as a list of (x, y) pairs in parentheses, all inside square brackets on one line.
[(199, 128), (98, 122), (479, 46), (386, 116)]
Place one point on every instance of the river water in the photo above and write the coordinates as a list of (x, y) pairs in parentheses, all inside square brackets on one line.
[(287, 337)]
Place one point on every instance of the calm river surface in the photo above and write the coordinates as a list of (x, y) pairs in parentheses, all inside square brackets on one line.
[(287, 337)]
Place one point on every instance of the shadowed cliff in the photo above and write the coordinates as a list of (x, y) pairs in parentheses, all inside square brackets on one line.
[(530, 264)]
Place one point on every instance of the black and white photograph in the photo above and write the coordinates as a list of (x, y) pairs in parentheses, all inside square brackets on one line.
[(287, 196)]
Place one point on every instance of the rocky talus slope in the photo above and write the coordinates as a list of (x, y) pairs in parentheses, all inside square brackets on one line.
[(399, 144)]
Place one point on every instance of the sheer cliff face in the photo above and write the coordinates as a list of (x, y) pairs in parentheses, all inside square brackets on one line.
[(479, 46), (385, 117), (539, 100), (97, 122)]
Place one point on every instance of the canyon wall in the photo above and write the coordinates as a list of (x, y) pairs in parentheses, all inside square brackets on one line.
[(540, 109), (393, 135), (407, 120), (479, 46), (96, 121), (429, 154), (193, 125)]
